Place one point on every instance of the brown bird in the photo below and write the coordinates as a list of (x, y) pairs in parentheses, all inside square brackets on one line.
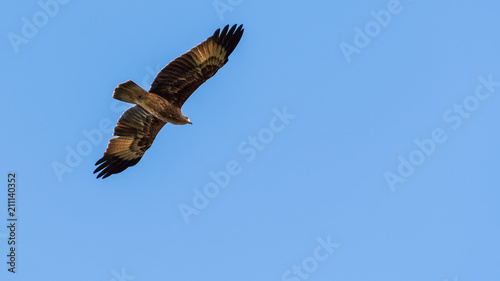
[(174, 84)]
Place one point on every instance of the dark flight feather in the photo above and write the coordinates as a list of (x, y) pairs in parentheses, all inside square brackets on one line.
[(135, 131), (181, 77)]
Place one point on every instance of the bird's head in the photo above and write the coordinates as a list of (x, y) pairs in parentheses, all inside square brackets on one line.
[(187, 120)]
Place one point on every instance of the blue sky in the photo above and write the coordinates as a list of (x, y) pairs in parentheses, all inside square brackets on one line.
[(344, 140)]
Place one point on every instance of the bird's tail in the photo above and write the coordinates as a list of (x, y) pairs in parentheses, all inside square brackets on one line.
[(129, 92)]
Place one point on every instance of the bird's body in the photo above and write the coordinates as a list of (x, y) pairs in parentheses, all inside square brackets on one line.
[(139, 125), (156, 105)]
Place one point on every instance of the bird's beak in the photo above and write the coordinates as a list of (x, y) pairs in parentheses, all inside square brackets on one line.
[(189, 121)]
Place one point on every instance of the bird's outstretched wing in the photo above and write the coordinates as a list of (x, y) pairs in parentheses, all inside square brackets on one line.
[(135, 131), (181, 77)]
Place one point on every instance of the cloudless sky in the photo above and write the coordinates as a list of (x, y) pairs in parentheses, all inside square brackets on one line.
[(344, 140)]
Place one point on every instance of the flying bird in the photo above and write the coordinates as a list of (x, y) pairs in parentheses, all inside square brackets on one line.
[(174, 84)]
